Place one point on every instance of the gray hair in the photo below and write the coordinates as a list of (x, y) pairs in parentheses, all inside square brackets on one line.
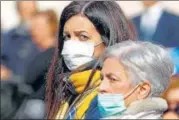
[(145, 62)]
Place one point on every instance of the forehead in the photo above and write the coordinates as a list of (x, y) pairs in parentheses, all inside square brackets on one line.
[(79, 22), (39, 19), (113, 64)]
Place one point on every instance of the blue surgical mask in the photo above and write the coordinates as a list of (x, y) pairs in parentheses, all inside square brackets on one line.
[(111, 104)]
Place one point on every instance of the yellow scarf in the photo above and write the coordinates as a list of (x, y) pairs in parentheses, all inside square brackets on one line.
[(79, 81)]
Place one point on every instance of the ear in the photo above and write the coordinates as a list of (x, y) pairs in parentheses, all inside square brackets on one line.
[(144, 90)]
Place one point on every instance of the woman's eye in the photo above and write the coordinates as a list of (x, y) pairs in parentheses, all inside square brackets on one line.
[(84, 37)]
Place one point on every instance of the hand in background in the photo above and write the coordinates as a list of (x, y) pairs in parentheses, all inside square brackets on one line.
[(6, 73)]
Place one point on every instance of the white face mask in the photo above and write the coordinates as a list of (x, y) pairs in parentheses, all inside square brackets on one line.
[(77, 53)]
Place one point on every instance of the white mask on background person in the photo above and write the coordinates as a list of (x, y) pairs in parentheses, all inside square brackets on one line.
[(77, 53)]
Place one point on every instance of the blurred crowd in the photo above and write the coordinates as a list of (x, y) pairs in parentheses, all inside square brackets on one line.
[(27, 50)]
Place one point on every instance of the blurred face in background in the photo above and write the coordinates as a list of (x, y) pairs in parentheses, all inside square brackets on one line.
[(26, 9), (173, 99), (149, 3), (40, 29), (173, 104), (44, 28)]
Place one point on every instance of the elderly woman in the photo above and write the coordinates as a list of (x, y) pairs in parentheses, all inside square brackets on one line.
[(134, 75)]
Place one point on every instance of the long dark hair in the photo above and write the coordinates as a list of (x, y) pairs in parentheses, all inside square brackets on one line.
[(110, 22)]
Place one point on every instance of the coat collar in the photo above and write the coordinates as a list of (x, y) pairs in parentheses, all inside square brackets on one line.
[(150, 104)]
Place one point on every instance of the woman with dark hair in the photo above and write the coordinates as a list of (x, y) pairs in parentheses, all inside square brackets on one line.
[(86, 28)]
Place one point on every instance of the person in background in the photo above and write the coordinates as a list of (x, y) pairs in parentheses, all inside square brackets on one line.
[(17, 49), (12, 92), (5, 72), (157, 25), (17, 46), (47, 23), (174, 54), (172, 97), (43, 30), (127, 90)]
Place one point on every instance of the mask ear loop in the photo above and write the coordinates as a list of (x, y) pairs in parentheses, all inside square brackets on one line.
[(98, 44), (128, 94)]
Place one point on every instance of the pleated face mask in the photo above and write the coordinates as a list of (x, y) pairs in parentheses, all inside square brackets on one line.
[(113, 104), (77, 53)]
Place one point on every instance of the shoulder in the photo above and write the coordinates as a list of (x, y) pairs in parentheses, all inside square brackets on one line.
[(171, 16), (10, 32), (136, 20)]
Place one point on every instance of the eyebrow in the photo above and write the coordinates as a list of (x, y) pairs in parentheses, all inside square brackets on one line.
[(80, 30), (77, 31)]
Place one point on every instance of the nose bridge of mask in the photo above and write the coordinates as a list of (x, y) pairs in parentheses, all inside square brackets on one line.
[(75, 47), (115, 97)]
